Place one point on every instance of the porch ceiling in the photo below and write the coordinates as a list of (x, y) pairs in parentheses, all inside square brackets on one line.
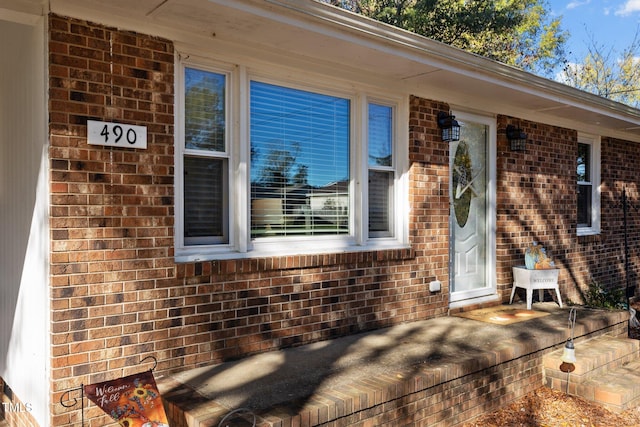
[(333, 39)]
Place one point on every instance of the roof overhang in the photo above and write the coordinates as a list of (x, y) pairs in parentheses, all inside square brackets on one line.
[(27, 12), (329, 39)]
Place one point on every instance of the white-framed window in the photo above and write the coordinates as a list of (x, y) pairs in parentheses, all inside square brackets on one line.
[(382, 174), (205, 157), (266, 166), (300, 169), (588, 176)]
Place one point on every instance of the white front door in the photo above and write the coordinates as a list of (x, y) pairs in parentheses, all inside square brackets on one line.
[(471, 199)]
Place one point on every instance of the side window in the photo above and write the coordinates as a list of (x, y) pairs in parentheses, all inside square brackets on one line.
[(588, 183), (205, 163), (381, 170)]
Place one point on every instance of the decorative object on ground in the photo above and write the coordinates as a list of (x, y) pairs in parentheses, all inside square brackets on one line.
[(501, 315), (531, 280), (133, 401), (569, 354), (568, 357), (536, 258)]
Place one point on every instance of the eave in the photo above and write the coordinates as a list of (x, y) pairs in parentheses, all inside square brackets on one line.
[(329, 38)]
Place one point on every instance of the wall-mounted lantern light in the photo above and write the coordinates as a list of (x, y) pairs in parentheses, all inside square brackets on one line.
[(517, 138), (450, 127)]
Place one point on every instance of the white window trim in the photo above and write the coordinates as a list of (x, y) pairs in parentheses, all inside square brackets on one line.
[(181, 150), (238, 124), (595, 142)]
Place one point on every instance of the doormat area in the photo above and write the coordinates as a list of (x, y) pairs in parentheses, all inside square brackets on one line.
[(501, 315)]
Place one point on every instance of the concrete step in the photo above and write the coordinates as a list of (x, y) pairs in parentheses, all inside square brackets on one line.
[(595, 356), (607, 371), (617, 390)]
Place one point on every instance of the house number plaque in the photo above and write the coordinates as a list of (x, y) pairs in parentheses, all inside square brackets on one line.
[(116, 134)]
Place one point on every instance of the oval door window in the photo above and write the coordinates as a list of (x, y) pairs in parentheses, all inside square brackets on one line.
[(462, 179)]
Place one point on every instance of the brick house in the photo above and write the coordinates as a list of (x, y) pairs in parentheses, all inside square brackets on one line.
[(293, 185)]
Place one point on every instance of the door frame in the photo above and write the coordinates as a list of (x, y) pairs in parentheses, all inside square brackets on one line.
[(490, 292)]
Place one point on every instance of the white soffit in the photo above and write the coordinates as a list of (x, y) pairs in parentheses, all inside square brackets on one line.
[(27, 12), (330, 38)]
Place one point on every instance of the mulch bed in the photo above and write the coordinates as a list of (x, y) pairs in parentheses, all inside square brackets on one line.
[(553, 408)]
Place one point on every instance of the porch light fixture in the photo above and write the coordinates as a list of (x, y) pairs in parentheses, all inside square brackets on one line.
[(517, 138), (450, 127)]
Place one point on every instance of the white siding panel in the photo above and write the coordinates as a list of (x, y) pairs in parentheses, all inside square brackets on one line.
[(24, 243)]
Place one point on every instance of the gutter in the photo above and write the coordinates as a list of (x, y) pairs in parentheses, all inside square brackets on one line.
[(419, 49)]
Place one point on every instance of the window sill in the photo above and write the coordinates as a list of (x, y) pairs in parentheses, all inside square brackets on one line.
[(396, 251), (587, 232)]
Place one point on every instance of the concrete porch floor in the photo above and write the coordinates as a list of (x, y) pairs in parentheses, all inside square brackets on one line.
[(349, 380)]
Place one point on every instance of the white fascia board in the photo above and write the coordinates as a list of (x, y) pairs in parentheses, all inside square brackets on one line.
[(463, 63), (339, 24)]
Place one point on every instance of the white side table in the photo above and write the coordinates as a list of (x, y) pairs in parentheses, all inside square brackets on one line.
[(535, 279)]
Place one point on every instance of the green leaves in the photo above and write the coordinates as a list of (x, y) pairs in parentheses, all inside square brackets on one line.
[(515, 32), (607, 73)]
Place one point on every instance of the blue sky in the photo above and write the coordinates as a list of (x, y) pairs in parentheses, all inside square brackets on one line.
[(612, 23)]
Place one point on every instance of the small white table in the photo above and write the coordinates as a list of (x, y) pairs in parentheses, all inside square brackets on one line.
[(535, 279)]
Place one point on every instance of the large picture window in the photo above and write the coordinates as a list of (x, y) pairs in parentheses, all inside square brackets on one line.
[(271, 168), (299, 162)]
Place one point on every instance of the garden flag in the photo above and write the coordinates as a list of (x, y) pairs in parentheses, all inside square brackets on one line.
[(133, 401)]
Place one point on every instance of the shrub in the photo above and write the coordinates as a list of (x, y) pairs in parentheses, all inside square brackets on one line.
[(599, 297)]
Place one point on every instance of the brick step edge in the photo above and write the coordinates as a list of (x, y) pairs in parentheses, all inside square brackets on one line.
[(594, 357), (616, 390), (619, 389)]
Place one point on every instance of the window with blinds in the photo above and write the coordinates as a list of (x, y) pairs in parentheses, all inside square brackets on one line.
[(264, 167), (299, 162), (381, 171)]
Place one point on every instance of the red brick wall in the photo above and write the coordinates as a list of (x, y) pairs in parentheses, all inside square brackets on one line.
[(605, 253), (111, 209), (429, 191), (537, 201), (118, 296)]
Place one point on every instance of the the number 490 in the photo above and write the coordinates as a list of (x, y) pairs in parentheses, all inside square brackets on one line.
[(118, 133)]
